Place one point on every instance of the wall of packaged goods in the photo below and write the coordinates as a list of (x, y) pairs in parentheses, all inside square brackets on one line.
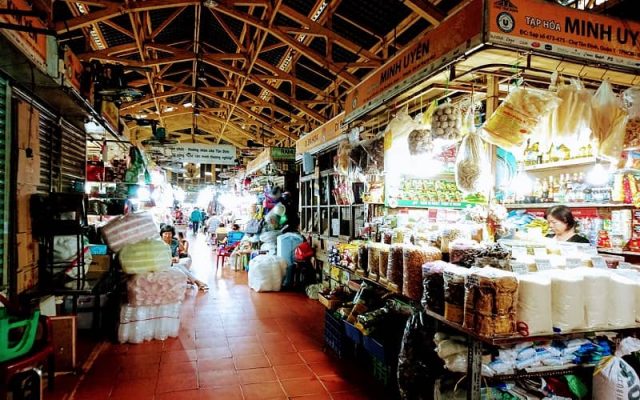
[(459, 156)]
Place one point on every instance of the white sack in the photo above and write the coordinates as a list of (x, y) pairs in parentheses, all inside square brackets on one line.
[(266, 273), (614, 379), (534, 303)]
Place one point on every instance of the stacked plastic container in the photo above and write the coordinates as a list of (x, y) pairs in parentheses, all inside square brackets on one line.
[(155, 291)]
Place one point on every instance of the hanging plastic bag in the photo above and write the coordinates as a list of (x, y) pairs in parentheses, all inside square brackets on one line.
[(517, 117), (418, 364), (608, 122), (572, 114), (631, 98), (343, 158), (471, 162)]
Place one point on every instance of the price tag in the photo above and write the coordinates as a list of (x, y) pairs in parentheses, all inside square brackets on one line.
[(539, 251), (518, 252), (573, 262), (519, 268), (590, 250), (598, 262), (543, 264), (625, 265)]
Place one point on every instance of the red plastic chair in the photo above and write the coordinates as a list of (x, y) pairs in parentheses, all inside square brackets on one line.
[(223, 253), (42, 351)]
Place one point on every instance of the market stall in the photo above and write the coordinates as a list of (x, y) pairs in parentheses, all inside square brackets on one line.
[(461, 142)]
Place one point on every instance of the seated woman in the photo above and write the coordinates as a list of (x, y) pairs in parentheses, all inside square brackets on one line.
[(235, 235), (183, 264)]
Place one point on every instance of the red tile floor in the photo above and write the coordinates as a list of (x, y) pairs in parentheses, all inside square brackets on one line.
[(233, 344)]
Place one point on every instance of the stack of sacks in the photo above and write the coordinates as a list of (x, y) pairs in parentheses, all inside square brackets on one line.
[(155, 291), (490, 302), (534, 303), (266, 273), (154, 306)]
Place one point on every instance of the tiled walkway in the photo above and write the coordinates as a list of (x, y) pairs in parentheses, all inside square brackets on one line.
[(233, 344)]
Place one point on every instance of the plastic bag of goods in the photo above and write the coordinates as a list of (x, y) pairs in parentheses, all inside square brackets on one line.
[(266, 273), (129, 229), (154, 288), (383, 263), (596, 289), (615, 379), (534, 303), (621, 302), (608, 122), (373, 257), (413, 258), (572, 115), (472, 168), (395, 265), (567, 299), (517, 117), (635, 277), (145, 256), (446, 122), (286, 245), (433, 286), (454, 293), (141, 323), (65, 251), (464, 252), (631, 99)]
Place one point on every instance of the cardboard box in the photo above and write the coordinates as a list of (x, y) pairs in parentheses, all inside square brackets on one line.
[(24, 207), (28, 138), (100, 263), (27, 251), (27, 279), (28, 168), (64, 342)]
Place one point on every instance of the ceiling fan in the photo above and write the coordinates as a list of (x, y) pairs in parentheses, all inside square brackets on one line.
[(158, 133)]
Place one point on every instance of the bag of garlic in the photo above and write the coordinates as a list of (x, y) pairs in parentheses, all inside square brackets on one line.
[(471, 164)]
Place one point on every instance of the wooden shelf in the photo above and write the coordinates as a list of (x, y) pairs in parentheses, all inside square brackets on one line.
[(505, 340), (561, 164), (570, 205)]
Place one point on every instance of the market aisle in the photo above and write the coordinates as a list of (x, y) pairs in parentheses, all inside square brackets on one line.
[(233, 344)]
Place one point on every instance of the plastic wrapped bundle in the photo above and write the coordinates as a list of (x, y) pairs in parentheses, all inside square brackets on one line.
[(454, 293), (138, 324), (534, 303), (567, 307), (596, 287), (266, 273), (383, 263), (433, 286), (635, 277), (129, 229), (155, 288), (413, 258), (363, 259), (464, 252), (621, 302), (394, 265), (145, 256), (490, 301)]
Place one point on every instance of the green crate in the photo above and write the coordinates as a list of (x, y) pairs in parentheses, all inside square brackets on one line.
[(16, 335), (382, 372)]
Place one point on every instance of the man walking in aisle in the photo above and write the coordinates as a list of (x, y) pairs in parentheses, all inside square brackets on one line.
[(196, 218)]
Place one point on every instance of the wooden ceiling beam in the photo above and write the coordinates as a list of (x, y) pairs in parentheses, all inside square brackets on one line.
[(166, 22), (291, 100), (118, 28), (286, 38), (329, 34), (149, 98), (426, 10), (273, 47), (227, 30)]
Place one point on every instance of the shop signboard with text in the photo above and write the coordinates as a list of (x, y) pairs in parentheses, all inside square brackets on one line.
[(220, 154), (322, 136), (434, 50), (563, 31), (31, 44)]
